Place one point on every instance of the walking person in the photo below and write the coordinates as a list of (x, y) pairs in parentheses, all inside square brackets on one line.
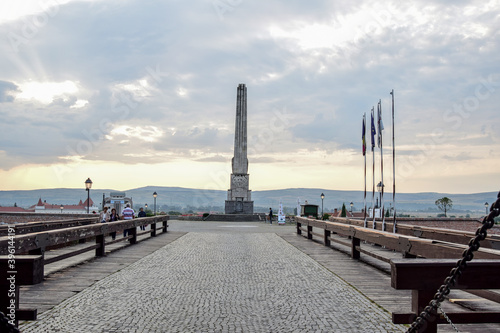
[(113, 217), (104, 216), (270, 215), (127, 214), (142, 213)]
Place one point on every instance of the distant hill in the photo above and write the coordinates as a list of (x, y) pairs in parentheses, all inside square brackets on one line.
[(178, 198)]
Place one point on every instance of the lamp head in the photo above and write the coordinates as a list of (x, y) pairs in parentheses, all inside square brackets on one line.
[(88, 184)]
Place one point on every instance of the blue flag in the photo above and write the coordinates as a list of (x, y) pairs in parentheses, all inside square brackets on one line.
[(373, 132), (363, 135)]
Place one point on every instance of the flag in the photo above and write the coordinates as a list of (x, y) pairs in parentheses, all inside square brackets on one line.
[(380, 124), (373, 132), (363, 136)]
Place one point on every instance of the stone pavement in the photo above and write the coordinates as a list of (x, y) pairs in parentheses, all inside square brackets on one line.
[(219, 277)]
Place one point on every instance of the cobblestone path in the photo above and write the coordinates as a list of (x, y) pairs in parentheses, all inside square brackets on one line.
[(219, 282)]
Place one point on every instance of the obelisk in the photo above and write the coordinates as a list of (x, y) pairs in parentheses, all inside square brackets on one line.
[(239, 199)]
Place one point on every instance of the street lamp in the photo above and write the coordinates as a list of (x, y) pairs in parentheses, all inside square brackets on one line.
[(62, 207), (380, 188), (88, 186), (146, 205), (352, 204), (154, 196), (322, 198), (486, 206)]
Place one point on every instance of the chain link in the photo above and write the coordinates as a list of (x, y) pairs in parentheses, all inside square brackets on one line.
[(430, 310), (5, 326), (447, 318)]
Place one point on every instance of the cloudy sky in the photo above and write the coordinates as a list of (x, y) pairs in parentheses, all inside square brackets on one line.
[(133, 93)]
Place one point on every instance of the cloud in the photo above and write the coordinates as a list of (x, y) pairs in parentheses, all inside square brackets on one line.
[(154, 82), (7, 91)]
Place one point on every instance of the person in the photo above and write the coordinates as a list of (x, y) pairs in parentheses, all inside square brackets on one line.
[(127, 214), (104, 216), (113, 217), (270, 215), (142, 213)]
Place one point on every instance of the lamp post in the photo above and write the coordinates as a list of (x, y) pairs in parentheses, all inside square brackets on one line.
[(146, 206), (380, 187), (88, 186), (322, 198), (486, 207), (352, 204), (154, 196), (62, 207)]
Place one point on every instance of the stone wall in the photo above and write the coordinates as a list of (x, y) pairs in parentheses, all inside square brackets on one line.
[(15, 218)]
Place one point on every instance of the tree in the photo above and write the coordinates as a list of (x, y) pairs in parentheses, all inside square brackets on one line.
[(344, 212), (444, 204)]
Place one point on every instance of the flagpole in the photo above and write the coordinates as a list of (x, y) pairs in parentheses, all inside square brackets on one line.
[(380, 127), (364, 156), (393, 168), (373, 167)]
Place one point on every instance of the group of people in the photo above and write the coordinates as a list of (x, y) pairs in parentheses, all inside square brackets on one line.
[(127, 214)]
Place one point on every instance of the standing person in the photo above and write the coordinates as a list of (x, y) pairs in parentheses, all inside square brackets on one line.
[(270, 215), (142, 213), (127, 214), (104, 216), (113, 217)]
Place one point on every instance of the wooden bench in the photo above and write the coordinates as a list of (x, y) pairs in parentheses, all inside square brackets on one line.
[(424, 277), (14, 272)]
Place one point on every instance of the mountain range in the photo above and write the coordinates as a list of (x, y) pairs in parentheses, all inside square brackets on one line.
[(177, 198)]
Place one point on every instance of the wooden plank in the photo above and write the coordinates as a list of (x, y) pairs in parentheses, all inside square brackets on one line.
[(71, 254), (456, 317), (429, 274)]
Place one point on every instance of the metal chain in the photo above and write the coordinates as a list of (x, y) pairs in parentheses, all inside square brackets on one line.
[(430, 310), (5, 326), (447, 318)]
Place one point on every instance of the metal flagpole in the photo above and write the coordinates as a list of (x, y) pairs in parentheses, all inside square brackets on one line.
[(380, 128), (393, 168), (373, 132), (364, 156)]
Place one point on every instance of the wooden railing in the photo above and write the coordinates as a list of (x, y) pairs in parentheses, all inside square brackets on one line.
[(409, 246), (405, 227), (422, 276), (27, 251)]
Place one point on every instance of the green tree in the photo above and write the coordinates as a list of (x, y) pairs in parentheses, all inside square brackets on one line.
[(344, 212), (444, 204)]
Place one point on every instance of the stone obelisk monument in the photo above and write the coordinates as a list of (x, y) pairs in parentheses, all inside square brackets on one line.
[(239, 199)]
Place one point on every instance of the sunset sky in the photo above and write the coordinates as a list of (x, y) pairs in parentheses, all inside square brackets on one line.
[(134, 93)]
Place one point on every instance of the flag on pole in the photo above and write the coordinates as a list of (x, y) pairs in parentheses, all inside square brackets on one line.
[(380, 124), (373, 132), (363, 137)]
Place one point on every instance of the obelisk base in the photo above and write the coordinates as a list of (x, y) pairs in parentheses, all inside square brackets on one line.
[(239, 207)]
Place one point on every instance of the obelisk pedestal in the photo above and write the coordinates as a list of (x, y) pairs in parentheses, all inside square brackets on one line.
[(239, 199)]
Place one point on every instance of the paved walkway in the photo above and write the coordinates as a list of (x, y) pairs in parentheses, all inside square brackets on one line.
[(239, 277)]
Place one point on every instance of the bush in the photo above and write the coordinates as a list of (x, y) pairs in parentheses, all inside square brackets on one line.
[(205, 215), (326, 216)]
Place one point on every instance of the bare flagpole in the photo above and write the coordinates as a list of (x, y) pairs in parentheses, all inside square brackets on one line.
[(380, 128), (364, 156), (393, 168)]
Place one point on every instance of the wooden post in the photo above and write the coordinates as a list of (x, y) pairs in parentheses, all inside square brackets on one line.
[(165, 225), (153, 229), (419, 300), (133, 232), (299, 231), (309, 232), (327, 238), (354, 251), (101, 250)]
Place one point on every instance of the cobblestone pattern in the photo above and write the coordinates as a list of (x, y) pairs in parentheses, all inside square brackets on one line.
[(212, 282)]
